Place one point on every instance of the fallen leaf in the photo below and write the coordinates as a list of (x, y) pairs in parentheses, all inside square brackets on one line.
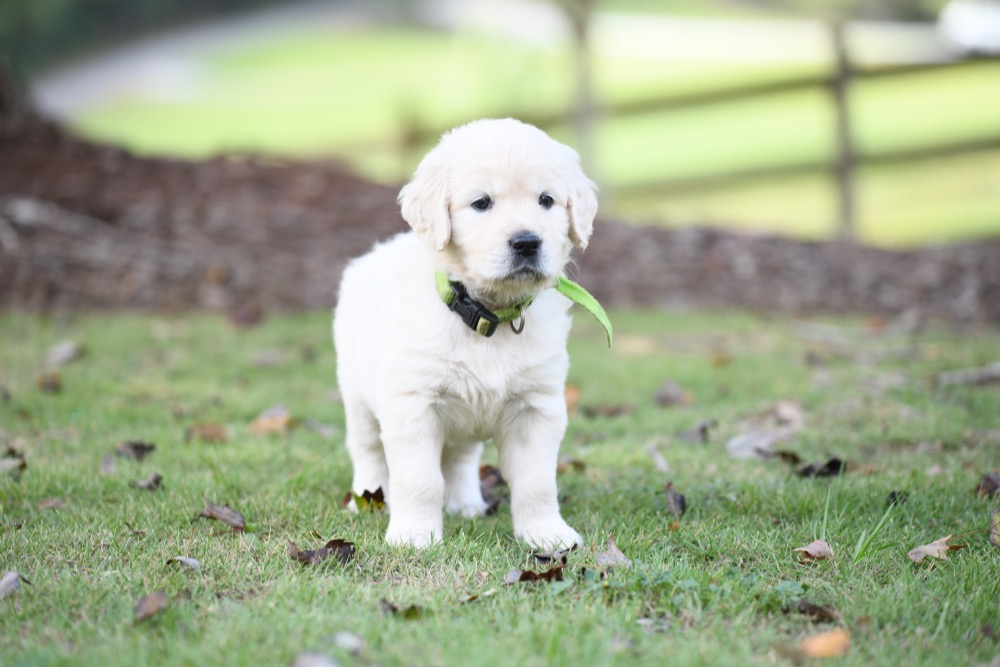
[(612, 556), (136, 450), (350, 642), (572, 393), (340, 549), (313, 659), (936, 549), (670, 393), (10, 582), (995, 527), (659, 462), (816, 613), (818, 550), (476, 596), (787, 456), (13, 462), (789, 414), (63, 353), (151, 483), (897, 498), (185, 561), (568, 463), (150, 605), (270, 358), (752, 444), (206, 432), (676, 502), (490, 483), (225, 514), (410, 613), (276, 420), (831, 644), (51, 503), (831, 468), (371, 501), (988, 485), (700, 433), (721, 358), (108, 465), (520, 576), (607, 411), (546, 557), (49, 382)]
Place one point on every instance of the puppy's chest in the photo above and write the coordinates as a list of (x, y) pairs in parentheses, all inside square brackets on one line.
[(473, 397)]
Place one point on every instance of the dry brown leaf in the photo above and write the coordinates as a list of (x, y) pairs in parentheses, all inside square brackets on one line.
[(151, 483), (519, 576), (411, 613), (206, 432), (13, 462), (150, 605), (817, 613), (63, 353), (831, 468), (670, 393), (818, 550), (546, 557), (700, 433), (831, 644), (995, 527), (226, 515), (988, 485), (612, 556), (342, 550), (676, 502), (136, 450), (10, 582), (276, 420), (50, 382), (568, 463), (185, 561), (490, 484), (371, 501), (608, 410), (659, 462), (51, 503), (936, 549)]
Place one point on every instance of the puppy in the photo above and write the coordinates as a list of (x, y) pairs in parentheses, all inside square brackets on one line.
[(449, 335)]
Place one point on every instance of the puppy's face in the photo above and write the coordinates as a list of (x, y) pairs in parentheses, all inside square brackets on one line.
[(503, 205)]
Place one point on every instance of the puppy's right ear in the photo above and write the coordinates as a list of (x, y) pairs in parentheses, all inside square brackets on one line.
[(424, 204)]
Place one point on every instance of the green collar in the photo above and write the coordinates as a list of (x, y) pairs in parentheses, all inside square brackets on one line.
[(480, 319)]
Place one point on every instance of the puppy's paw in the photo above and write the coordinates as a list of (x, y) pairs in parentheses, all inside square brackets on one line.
[(467, 507), (549, 535), (412, 536)]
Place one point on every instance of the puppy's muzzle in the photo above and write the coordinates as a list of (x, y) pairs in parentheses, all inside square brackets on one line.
[(525, 244)]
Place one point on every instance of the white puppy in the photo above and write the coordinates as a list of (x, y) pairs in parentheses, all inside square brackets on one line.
[(496, 209)]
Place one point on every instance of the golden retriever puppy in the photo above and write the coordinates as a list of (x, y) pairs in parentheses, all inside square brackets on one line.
[(451, 334)]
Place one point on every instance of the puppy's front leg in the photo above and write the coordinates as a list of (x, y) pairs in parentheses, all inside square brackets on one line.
[(528, 448), (413, 446)]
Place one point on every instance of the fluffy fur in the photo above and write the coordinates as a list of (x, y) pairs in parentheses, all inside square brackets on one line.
[(421, 390)]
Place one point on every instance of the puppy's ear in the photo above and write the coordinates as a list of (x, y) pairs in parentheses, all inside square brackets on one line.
[(424, 204), (582, 208)]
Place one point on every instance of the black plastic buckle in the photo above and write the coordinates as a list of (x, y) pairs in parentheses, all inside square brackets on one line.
[(475, 315)]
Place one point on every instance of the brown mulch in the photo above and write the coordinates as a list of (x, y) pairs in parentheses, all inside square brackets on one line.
[(90, 226)]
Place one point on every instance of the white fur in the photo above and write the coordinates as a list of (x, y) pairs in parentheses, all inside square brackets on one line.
[(421, 390)]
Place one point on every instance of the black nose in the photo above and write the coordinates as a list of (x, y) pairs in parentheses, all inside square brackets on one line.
[(525, 244)]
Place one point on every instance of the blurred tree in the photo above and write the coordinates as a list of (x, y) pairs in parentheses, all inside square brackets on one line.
[(885, 10)]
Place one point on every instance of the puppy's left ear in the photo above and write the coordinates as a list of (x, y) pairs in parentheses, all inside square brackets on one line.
[(424, 204), (582, 208)]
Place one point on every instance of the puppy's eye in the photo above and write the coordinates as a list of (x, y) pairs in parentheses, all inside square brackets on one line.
[(545, 201), (482, 204)]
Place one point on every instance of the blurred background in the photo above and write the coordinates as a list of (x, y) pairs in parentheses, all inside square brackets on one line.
[(877, 120)]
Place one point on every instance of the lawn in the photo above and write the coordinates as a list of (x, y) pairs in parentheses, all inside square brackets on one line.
[(719, 585)]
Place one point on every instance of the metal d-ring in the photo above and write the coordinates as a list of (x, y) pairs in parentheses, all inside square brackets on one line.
[(520, 316)]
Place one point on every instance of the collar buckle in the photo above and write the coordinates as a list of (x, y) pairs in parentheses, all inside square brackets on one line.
[(475, 315)]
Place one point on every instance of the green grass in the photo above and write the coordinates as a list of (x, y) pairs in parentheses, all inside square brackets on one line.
[(714, 586)]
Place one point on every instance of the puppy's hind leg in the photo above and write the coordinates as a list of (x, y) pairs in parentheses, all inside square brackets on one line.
[(460, 465), (365, 449)]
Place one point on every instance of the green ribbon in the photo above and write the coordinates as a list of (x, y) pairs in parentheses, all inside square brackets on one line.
[(571, 290)]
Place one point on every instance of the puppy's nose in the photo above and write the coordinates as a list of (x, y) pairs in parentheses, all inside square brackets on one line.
[(525, 244)]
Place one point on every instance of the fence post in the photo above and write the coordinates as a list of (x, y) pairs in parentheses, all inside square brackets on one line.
[(846, 157)]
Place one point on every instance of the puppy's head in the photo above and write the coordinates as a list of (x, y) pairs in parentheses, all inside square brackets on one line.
[(502, 204)]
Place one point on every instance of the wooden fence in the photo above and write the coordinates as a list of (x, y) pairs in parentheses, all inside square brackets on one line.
[(842, 168)]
